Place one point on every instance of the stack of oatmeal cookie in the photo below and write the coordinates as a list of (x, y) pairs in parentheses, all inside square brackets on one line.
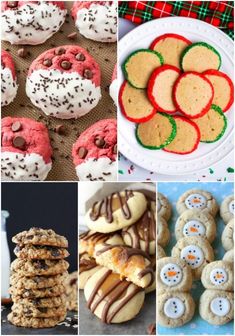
[(37, 279)]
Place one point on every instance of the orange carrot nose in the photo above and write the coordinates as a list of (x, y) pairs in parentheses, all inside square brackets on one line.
[(192, 257), (196, 200), (218, 276), (192, 229), (171, 273)]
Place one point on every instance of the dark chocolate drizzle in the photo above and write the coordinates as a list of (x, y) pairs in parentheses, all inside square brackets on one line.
[(106, 206), (86, 264)]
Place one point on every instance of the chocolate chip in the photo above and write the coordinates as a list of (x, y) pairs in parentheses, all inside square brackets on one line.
[(99, 141), (29, 237), (12, 4), (41, 264), (80, 57), (42, 309), (22, 52), (115, 149), (47, 62), (72, 36), (60, 51), (66, 65), (82, 152), (19, 142), (55, 252), (16, 126), (73, 282), (60, 129), (88, 74)]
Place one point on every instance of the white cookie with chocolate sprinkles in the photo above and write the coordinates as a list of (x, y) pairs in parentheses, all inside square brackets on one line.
[(96, 20), (31, 22), (64, 82)]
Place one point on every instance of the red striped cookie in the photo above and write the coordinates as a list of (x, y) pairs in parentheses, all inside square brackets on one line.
[(223, 88), (187, 137), (193, 94), (134, 103), (170, 46), (160, 87)]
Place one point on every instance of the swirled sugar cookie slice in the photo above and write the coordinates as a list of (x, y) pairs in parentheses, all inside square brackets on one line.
[(175, 309), (130, 263), (8, 79), (196, 252), (212, 125), (193, 94), (139, 66), (228, 236), (218, 275), (196, 199), (195, 223), (216, 306), (227, 208), (112, 299), (64, 82), (170, 46), (173, 274), (187, 137), (223, 89), (134, 104), (116, 211)]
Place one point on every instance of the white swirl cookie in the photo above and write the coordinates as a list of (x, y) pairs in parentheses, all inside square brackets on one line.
[(229, 256), (89, 239), (173, 274), (195, 223), (87, 267), (198, 200), (228, 236), (196, 252), (175, 309), (218, 275), (227, 209), (142, 234), (163, 233), (130, 263), (160, 252), (111, 299), (116, 211), (216, 306), (163, 206)]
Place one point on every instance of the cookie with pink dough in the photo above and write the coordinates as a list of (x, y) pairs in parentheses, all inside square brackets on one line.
[(96, 20), (31, 22), (26, 151), (95, 152), (114, 86), (8, 79), (64, 82)]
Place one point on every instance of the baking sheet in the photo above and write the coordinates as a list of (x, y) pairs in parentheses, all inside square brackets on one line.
[(106, 56)]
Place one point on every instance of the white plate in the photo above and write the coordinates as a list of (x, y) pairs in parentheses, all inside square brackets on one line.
[(206, 154)]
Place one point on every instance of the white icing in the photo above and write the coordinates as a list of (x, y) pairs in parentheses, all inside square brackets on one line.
[(218, 276), (174, 308), (196, 201), (192, 255), (102, 169), (65, 92), (31, 23), (220, 306), (113, 91), (98, 22), (194, 228), (23, 167), (171, 274), (8, 86), (231, 207)]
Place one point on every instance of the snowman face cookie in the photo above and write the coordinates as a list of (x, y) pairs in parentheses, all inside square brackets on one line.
[(163, 206), (216, 306), (175, 309), (196, 252), (227, 209), (218, 275), (197, 200), (173, 274), (228, 236)]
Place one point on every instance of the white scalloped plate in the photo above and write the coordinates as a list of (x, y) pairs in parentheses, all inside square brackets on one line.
[(206, 154)]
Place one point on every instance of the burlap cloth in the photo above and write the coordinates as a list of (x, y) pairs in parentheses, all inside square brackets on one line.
[(105, 54)]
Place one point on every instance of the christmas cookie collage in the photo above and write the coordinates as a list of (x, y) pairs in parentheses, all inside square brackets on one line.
[(117, 168)]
